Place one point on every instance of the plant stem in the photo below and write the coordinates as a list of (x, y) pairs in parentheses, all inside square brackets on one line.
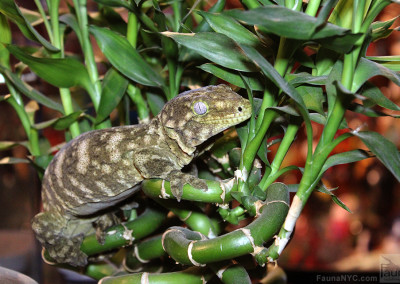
[(280, 155), (57, 42), (176, 7), (81, 13), (132, 29), (45, 20), (312, 7), (32, 134), (137, 99), (253, 146)]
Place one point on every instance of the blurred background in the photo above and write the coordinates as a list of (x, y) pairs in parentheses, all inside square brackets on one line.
[(327, 238)]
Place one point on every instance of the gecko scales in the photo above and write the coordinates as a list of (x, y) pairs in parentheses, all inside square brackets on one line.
[(100, 169)]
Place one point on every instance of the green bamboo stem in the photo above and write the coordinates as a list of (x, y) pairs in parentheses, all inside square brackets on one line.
[(218, 192), (32, 134), (145, 251), (176, 7), (312, 7), (81, 13), (251, 4), (122, 235), (193, 275), (132, 29), (287, 141), (65, 94), (45, 20), (268, 101), (143, 110), (230, 274), (190, 248), (171, 77), (253, 146), (312, 172), (99, 270)]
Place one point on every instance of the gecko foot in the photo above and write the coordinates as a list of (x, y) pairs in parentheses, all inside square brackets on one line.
[(179, 179)]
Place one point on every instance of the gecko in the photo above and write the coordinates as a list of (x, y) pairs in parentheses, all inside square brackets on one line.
[(99, 169)]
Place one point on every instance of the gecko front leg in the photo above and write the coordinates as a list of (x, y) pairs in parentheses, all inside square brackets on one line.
[(156, 163)]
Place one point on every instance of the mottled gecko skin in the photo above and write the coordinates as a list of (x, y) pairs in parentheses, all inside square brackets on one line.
[(101, 168)]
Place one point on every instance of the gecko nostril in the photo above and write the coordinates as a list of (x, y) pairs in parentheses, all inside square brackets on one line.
[(240, 109)]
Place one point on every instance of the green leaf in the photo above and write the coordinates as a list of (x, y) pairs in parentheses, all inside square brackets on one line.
[(287, 23), (381, 30), (61, 123), (384, 149), (116, 3), (335, 199), (255, 82), (60, 72), (12, 160), (297, 79), (391, 62), (313, 97), (368, 111), (71, 21), (125, 58), (275, 77), (29, 91), (5, 37), (373, 93), (156, 102), (321, 119), (216, 47), (346, 158), (113, 89), (228, 26), (367, 69), (297, 25), (10, 9), (5, 145)]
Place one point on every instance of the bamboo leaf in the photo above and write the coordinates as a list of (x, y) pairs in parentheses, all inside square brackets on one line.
[(255, 83), (367, 69), (346, 158), (5, 145), (274, 76), (298, 79), (297, 25), (114, 87), (125, 58), (335, 199), (61, 123), (288, 23), (10, 9), (217, 48), (71, 21), (373, 93), (381, 30), (60, 72), (391, 62), (313, 97), (156, 102), (228, 26), (116, 3), (29, 91), (384, 149), (12, 160), (321, 119)]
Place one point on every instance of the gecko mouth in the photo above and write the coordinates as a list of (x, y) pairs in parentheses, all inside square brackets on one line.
[(230, 118)]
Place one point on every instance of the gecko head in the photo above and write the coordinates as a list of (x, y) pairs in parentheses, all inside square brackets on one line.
[(196, 115)]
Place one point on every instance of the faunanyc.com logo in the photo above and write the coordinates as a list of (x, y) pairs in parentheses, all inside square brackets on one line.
[(389, 268)]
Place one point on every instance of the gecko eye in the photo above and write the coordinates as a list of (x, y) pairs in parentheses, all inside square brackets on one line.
[(200, 108)]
